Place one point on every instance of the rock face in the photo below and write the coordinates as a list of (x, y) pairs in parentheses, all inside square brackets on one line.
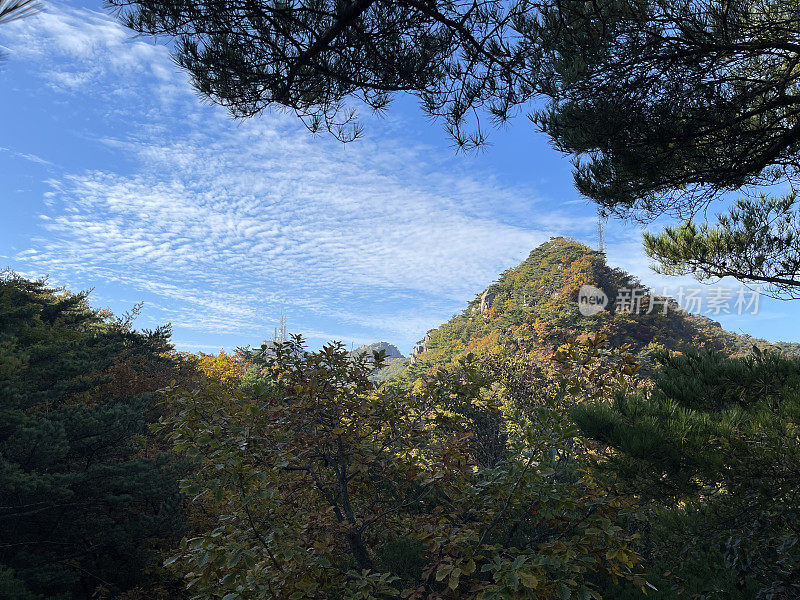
[(390, 349), (420, 348), (487, 298)]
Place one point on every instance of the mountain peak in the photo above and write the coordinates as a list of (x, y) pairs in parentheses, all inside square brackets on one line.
[(534, 307)]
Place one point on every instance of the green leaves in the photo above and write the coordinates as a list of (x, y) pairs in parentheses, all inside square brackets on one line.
[(756, 242), (711, 447), (80, 477), (338, 487)]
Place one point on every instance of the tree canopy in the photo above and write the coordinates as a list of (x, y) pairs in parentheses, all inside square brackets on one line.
[(714, 447), (83, 496), (756, 242), (688, 97), (304, 478), (329, 485), (314, 56)]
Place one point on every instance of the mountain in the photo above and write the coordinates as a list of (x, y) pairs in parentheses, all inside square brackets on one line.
[(395, 361), (534, 308), (390, 349)]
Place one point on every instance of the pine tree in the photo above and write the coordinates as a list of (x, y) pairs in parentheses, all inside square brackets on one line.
[(714, 447), (756, 242), (81, 492)]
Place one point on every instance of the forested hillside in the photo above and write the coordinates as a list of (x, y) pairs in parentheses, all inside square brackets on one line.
[(533, 308), (88, 497), (133, 471)]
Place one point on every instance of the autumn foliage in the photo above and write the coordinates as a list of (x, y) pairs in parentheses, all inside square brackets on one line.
[(328, 485)]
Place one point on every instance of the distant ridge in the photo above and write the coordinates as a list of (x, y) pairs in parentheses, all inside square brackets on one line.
[(395, 361), (391, 350)]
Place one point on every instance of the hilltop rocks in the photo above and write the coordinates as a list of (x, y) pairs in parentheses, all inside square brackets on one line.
[(420, 348), (486, 299)]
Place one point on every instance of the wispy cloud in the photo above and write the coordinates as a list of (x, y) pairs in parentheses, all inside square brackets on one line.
[(225, 223), (27, 156), (233, 222), (95, 43)]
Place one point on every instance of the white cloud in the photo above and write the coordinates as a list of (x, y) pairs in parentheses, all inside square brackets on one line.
[(78, 48), (27, 156), (224, 223), (234, 221)]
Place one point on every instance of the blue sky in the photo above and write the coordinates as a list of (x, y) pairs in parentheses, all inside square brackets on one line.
[(116, 176)]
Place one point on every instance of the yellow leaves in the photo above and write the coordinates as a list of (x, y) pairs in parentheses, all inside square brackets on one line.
[(621, 556), (221, 368), (529, 580)]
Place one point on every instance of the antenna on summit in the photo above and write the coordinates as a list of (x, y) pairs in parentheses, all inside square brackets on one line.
[(600, 218), (279, 336)]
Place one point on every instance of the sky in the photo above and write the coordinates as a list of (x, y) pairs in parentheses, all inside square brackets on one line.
[(116, 176)]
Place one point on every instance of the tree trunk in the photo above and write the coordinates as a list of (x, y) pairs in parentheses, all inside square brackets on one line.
[(359, 551)]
